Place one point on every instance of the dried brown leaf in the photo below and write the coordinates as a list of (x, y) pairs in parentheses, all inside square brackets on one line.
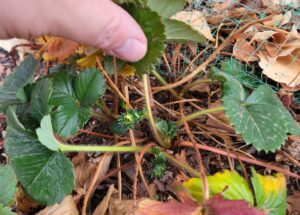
[(103, 206), (244, 51), (151, 207), (120, 207), (66, 207)]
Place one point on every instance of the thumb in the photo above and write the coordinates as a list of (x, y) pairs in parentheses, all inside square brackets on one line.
[(99, 23)]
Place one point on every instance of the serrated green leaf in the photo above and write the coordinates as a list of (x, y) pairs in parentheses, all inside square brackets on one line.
[(180, 31), (68, 119), (5, 211), (89, 85), (40, 99), (45, 134), (12, 92), (63, 92), (8, 185), (229, 184), (154, 29), (239, 71), (262, 120), (45, 175), (165, 8), (270, 193), (167, 130), (127, 121), (231, 87)]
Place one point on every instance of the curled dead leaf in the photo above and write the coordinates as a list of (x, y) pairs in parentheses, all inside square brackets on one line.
[(66, 207), (57, 49), (243, 50), (197, 21)]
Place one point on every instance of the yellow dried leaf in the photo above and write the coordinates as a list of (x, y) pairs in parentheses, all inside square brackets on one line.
[(197, 21), (127, 71), (90, 60), (57, 49), (66, 207)]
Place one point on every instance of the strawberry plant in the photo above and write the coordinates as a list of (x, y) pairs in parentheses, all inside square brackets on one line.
[(44, 113)]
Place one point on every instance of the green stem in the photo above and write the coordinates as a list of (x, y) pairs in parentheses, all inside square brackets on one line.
[(87, 148), (184, 166), (149, 112), (198, 114), (164, 83)]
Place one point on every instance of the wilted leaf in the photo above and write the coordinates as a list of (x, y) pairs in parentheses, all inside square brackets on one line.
[(103, 206), (57, 49), (244, 51), (8, 185), (285, 69), (45, 134), (197, 21), (90, 60), (127, 71), (220, 206), (12, 92), (270, 193), (228, 184), (151, 207), (66, 207), (45, 175)]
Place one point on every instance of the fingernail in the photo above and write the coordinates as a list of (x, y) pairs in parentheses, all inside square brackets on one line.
[(131, 50)]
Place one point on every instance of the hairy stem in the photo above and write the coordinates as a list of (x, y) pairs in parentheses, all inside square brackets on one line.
[(87, 148), (198, 114), (149, 111)]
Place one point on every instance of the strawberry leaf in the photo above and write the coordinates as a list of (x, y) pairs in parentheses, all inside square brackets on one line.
[(154, 29), (270, 193), (45, 175), (12, 92), (166, 9), (229, 184), (8, 185), (261, 119), (45, 134)]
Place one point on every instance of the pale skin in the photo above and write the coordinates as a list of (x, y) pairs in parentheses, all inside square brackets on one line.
[(98, 23)]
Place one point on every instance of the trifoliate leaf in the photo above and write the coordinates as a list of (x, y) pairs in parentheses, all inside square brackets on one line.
[(154, 30), (167, 129), (12, 92), (220, 206), (68, 119), (5, 211), (8, 185), (262, 120), (45, 175), (89, 86), (229, 184), (45, 134), (40, 99), (230, 86), (165, 8), (180, 31), (270, 193), (127, 121)]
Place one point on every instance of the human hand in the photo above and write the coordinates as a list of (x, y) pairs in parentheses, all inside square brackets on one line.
[(98, 23)]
